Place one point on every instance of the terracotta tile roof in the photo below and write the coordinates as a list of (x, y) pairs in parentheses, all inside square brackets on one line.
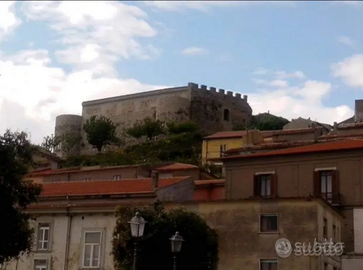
[(209, 182), (268, 146), (105, 187), (177, 166), (270, 133), (226, 134), (79, 169), (350, 126), (340, 136), (313, 148)]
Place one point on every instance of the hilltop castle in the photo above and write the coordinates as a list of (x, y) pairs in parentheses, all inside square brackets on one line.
[(213, 110)]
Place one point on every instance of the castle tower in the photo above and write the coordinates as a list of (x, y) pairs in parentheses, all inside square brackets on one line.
[(68, 127)]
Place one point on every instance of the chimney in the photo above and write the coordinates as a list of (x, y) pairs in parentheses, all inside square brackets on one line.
[(335, 126), (154, 179)]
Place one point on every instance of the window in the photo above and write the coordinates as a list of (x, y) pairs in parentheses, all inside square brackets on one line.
[(268, 223), (325, 228), (117, 177), (326, 185), (41, 264), (43, 236), (325, 266), (222, 149), (226, 115), (92, 249), (264, 185), (268, 265)]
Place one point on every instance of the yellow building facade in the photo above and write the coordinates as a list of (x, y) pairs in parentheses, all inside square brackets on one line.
[(216, 144)]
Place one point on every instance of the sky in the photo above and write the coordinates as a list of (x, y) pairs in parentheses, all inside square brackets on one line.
[(292, 59)]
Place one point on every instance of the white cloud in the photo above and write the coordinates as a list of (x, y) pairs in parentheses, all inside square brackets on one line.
[(276, 83), (8, 19), (39, 92), (96, 34), (350, 70), (260, 71), (284, 75), (178, 6), (346, 41), (196, 5), (194, 51), (299, 101)]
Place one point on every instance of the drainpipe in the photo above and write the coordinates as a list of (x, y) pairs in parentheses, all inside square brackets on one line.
[(68, 242)]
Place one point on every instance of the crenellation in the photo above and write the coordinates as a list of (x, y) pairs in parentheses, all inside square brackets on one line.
[(193, 85), (199, 103)]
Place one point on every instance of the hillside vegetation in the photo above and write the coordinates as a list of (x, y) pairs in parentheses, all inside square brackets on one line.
[(157, 142)]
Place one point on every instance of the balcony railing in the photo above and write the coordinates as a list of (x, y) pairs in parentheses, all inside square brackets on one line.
[(332, 198)]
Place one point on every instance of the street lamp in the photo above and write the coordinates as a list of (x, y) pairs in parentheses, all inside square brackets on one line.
[(137, 224), (176, 244)]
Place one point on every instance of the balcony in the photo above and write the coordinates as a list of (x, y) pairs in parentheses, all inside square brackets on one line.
[(333, 198)]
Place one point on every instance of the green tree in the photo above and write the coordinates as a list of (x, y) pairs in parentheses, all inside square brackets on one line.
[(148, 127), (15, 194), (67, 142), (182, 127), (199, 251), (265, 121), (100, 132), (50, 143)]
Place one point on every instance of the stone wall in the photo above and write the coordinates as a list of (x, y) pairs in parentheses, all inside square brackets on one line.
[(69, 125), (208, 108), (213, 110)]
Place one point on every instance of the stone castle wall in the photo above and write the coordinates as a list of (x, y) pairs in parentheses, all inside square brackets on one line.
[(207, 107)]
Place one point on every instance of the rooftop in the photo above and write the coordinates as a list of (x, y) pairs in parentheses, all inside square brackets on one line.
[(349, 144), (177, 166), (270, 133), (105, 187), (227, 134), (174, 166)]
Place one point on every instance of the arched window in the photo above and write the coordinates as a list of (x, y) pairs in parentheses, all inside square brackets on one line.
[(226, 115)]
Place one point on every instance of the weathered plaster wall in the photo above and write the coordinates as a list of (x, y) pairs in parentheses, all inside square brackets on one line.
[(58, 244)]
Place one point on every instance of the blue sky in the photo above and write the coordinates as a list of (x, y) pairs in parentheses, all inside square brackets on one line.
[(291, 58)]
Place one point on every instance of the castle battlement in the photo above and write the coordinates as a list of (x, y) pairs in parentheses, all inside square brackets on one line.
[(213, 90)]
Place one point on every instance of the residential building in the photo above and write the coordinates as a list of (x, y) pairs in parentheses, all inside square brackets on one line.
[(358, 113), (331, 170), (73, 218), (209, 190), (354, 260), (118, 172), (288, 135), (300, 122), (215, 145), (248, 230)]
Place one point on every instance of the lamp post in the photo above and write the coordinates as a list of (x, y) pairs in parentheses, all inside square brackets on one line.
[(137, 224), (176, 244)]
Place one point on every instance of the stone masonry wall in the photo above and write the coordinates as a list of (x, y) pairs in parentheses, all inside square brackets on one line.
[(204, 106), (208, 107)]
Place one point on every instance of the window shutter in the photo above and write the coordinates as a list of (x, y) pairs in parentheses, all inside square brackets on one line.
[(273, 184), (256, 186), (335, 184), (317, 188)]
